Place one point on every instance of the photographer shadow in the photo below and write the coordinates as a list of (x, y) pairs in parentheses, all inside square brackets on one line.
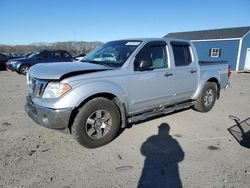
[(163, 153)]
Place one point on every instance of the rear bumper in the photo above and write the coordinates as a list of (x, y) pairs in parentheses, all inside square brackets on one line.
[(46, 117)]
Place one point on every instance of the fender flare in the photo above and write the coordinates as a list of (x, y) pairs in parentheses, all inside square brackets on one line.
[(206, 77)]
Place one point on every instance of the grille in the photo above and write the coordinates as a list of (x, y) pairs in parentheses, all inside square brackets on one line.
[(35, 86)]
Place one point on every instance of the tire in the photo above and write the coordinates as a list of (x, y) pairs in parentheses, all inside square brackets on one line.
[(24, 69), (97, 123), (206, 100)]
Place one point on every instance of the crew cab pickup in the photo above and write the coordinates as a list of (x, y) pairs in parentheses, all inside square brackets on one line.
[(144, 78)]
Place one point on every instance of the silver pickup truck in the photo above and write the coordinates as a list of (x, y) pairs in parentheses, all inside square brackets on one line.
[(120, 83)]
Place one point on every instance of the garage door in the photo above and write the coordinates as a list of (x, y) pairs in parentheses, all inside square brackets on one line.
[(247, 63)]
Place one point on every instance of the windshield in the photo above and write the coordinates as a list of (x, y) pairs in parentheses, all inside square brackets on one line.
[(33, 55), (27, 55), (113, 53)]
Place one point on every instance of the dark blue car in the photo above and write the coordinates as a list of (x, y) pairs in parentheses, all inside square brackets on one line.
[(22, 65), (3, 59)]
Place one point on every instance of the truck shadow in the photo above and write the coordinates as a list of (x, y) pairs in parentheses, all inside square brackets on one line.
[(163, 153), (241, 131)]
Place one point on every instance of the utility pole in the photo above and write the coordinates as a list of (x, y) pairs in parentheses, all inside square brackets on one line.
[(75, 41)]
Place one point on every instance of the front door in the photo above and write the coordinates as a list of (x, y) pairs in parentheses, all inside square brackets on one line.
[(152, 87), (247, 62)]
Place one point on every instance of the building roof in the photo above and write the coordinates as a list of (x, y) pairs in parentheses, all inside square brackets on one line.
[(226, 33)]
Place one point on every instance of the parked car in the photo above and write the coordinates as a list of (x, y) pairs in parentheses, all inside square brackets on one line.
[(79, 57), (22, 65), (104, 57), (149, 77), (3, 59)]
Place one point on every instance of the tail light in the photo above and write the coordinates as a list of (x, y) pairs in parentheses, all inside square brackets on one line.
[(229, 71)]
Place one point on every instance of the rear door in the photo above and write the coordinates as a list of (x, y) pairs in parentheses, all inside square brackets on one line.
[(185, 71), (152, 87)]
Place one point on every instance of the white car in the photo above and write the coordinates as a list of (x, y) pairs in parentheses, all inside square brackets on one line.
[(104, 57), (79, 57)]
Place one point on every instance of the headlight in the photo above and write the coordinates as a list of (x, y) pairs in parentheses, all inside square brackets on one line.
[(55, 90), (12, 62)]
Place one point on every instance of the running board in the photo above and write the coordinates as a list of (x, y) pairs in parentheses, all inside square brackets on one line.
[(159, 111)]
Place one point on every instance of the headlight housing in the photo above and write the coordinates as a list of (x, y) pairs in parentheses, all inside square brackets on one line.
[(55, 90), (11, 62)]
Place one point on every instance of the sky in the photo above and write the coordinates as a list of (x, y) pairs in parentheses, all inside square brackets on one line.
[(28, 21)]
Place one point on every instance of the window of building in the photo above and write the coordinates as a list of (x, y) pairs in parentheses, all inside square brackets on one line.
[(215, 52)]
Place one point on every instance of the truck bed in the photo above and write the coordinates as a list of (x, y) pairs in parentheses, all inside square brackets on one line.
[(212, 66)]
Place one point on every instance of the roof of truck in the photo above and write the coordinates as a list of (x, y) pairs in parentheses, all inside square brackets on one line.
[(152, 39)]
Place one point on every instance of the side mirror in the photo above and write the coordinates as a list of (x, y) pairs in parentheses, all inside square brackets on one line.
[(143, 64)]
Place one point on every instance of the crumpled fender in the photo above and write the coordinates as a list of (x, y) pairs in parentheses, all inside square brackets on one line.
[(76, 96), (203, 79)]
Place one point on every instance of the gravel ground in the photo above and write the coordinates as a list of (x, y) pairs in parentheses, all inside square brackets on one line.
[(197, 151)]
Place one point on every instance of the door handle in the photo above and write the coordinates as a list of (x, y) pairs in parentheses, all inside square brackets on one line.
[(193, 71), (168, 74)]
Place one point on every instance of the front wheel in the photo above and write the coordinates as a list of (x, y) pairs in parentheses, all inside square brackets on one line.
[(96, 123), (24, 69), (206, 100)]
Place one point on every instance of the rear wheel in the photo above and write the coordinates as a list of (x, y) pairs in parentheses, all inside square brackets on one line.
[(96, 123), (24, 69), (206, 100)]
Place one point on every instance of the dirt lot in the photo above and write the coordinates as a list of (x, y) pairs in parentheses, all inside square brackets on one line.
[(198, 151)]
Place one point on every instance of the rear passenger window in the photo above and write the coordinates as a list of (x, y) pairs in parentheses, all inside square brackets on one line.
[(182, 55)]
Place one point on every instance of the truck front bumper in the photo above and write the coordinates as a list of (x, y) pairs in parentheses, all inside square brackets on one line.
[(47, 117)]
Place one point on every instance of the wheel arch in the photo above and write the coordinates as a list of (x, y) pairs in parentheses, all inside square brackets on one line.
[(20, 65), (110, 96), (207, 77)]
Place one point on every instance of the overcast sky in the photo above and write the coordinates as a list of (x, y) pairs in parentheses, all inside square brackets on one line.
[(27, 21)]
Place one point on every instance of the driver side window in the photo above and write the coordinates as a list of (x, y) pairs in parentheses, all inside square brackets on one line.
[(158, 56), (156, 52), (43, 56)]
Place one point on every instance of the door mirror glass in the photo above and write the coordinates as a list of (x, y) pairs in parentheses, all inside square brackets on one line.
[(143, 64)]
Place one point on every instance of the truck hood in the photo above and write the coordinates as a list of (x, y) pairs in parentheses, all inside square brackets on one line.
[(61, 70)]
